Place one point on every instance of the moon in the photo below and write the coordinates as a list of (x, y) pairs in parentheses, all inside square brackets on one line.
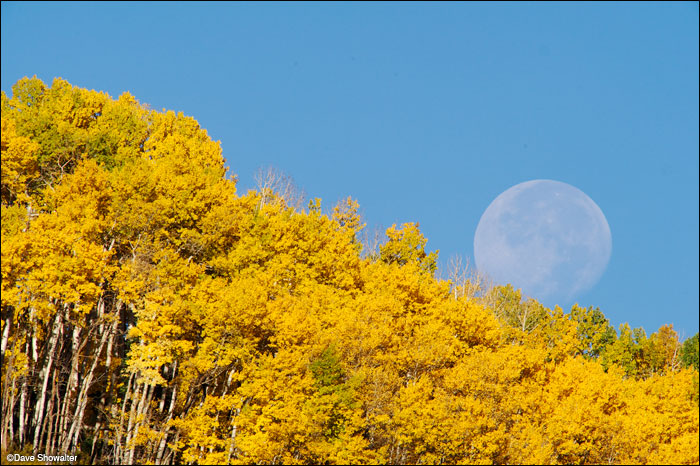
[(545, 237)]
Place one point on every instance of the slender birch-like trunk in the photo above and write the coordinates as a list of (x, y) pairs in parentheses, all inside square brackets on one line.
[(143, 417), (81, 402), (48, 421), (71, 388), (234, 431), (64, 401), (8, 400), (164, 438), (11, 425), (122, 416), (108, 364), (45, 375), (5, 335), (133, 413), (141, 412), (49, 417), (23, 400)]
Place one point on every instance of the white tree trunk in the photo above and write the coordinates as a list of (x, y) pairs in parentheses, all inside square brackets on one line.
[(45, 375), (81, 402), (5, 335)]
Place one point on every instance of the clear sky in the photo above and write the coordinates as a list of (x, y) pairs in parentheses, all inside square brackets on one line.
[(424, 112)]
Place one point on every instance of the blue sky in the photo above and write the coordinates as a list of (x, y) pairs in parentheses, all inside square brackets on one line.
[(424, 112)]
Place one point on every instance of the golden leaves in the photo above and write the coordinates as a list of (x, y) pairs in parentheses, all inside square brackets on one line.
[(254, 331), (19, 163)]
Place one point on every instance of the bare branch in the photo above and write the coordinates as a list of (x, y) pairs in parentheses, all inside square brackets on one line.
[(276, 186)]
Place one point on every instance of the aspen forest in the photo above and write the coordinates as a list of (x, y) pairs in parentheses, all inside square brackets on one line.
[(153, 314)]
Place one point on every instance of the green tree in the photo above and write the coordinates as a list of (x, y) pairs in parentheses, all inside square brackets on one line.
[(516, 312), (689, 352), (593, 330)]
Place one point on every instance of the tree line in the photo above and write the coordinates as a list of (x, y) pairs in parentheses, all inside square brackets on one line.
[(151, 313)]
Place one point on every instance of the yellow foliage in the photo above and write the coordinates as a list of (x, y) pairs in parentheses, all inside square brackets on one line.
[(19, 164), (210, 327)]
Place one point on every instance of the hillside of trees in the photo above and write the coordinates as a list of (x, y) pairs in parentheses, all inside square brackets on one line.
[(153, 314)]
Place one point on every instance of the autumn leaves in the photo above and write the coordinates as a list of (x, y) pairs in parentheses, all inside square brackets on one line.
[(153, 314)]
